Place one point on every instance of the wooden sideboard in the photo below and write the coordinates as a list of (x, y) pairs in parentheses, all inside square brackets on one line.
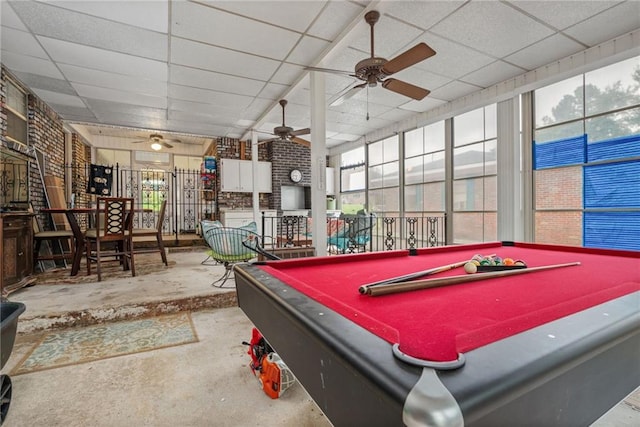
[(16, 250)]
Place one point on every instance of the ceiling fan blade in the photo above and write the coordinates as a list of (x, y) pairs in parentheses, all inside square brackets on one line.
[(166, 144), (304, 131), (418, 53), (330, 70), (406, 89), (301, 141), (348, 95), (138, 142)]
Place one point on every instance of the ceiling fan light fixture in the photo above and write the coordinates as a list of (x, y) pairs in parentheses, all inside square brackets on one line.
[(156, 146)]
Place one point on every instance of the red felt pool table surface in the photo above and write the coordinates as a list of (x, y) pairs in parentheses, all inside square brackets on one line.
[(437, 324)]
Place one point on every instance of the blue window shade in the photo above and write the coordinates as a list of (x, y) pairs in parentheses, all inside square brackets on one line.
[(613, 230), (562, 152), (612, 185), (615, 148)]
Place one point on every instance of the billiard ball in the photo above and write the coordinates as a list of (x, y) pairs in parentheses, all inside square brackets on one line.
[(470, 267)]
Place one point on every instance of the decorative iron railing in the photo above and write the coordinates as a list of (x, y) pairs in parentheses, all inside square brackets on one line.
[(353, 233), (190, 198)]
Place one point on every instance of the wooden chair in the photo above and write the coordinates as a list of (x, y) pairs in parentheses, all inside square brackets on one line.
[(112, 236), (153, 232), (60, 244)]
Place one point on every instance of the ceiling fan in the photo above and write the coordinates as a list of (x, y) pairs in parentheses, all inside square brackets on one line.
[(157, 141), (375, 70), (286, 133)]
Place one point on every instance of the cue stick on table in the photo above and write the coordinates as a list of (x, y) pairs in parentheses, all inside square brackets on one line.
[(454, 280), (364, 289)]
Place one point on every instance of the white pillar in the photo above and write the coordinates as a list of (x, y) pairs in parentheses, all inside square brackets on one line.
[(509, 187), (254, 181), (318, 163)]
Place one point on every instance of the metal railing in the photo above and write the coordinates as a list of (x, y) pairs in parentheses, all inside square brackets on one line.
[(353, 233), (190, 195)]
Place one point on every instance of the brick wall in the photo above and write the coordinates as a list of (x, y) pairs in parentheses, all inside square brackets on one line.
[(559, 227), (559, 188), (287, 156)]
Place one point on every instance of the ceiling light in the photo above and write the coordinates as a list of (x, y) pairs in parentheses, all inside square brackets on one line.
[(156, 146)]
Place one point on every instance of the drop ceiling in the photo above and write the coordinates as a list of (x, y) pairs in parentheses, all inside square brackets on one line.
[(218, 68)]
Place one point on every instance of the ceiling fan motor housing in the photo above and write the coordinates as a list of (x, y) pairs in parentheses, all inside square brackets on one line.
[(371, 67)]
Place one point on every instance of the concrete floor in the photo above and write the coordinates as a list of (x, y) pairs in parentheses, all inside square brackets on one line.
[(207, 383)]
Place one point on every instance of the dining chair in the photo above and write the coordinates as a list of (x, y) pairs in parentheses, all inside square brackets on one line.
[(153, 232), (112, 237), (51, 245)]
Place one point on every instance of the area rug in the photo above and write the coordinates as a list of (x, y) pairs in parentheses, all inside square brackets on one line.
[(97, 342), (145, 264)]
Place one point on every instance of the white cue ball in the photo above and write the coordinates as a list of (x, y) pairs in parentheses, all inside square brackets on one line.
[(470, 268)]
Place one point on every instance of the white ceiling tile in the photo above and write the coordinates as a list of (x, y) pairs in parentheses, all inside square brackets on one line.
[(46, 83), (544, 52), (29, 64), (451, 60), (492, 27), (423, 14), (60, 98), (197, 22), (99, 59), (21, 42), (562, 14), (119, 96), (199, 55), (296, 15), (187, 93), (344, 60), (454, 90), (397, 115), (273, 91), (488, 75), (307, 50), (152, 15), (361, 108), (202, 108), (186, 76), (101, 106), (104, 79), (390, 37), (132, 120), (63, 24), (76, 112), (425, 104), (9, 18), (593, 31), (287, 74), (336, 16)]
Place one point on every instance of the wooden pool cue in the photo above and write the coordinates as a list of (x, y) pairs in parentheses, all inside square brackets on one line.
[(454, 280), (364, 289)]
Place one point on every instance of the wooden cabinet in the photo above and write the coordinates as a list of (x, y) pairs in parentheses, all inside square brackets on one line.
[(237, 176), (16, 249)]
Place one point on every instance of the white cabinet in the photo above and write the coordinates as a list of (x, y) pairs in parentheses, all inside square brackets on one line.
[(237, 176)]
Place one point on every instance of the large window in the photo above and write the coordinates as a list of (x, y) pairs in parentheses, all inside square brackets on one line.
[(424, 170), (474, 176), (384, 175), (586, 149), (352, 181), (16, 109)]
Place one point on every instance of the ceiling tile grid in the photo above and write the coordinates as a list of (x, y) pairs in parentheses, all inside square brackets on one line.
[(218, 68)]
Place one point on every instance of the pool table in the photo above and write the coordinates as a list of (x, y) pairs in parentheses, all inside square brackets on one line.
[(558, 347)]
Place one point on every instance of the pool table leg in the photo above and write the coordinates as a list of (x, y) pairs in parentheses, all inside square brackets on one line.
[(430, 403)]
